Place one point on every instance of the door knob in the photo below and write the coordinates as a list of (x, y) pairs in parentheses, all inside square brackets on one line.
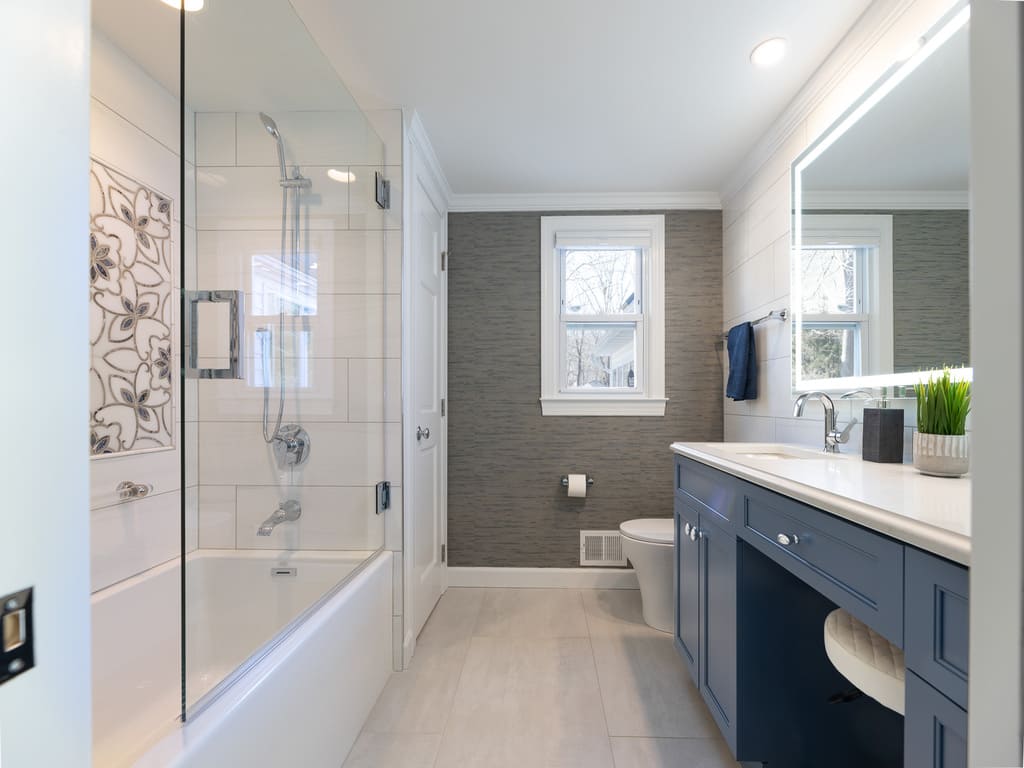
[(422, 434)]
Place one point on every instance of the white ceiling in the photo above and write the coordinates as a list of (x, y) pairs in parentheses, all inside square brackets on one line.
[(580, 96), (916, 139)]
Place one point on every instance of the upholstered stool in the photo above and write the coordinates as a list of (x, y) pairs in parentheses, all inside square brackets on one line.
[(866, 659)]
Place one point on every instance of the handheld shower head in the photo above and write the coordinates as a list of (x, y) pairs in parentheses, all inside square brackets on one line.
[(271, 126)]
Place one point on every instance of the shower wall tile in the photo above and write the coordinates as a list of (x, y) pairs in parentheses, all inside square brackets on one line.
[(250, 198), (346, 261), (217, 516), (132, 537), (350, 325), (364, 213), (215, 138), (332, 518), (160, 469), (332, 138), (375, 390), (234, 453), (321, 387)]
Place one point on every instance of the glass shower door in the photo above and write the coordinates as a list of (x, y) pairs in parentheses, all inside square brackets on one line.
[(291, 337)]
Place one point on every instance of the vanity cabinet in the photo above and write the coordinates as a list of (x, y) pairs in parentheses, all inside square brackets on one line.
[(706, 593), (743, 625)]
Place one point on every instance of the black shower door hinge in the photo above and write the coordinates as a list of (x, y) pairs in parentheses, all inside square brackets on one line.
[(383, 496)]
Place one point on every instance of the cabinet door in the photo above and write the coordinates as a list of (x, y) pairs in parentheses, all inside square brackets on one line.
[(718, 623), (687, 586), (935, 729)]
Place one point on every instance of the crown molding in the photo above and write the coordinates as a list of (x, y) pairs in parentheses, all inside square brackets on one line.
[(887, 200), (871, 27), (586, 201)]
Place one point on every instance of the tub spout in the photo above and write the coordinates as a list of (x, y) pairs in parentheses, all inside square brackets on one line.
[(287, 512)]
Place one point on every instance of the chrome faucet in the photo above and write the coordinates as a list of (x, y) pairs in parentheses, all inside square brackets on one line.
[(833, 438), (286, 512)]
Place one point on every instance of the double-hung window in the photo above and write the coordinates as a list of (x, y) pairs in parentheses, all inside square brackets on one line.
[(602, 315)]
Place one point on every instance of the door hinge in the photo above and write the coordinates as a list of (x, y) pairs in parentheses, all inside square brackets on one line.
[(444, 260), (442, 408), (444, 553), (382, 191), (383, 496)]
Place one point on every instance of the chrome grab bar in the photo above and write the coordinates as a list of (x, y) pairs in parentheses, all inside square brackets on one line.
[(236, 335)]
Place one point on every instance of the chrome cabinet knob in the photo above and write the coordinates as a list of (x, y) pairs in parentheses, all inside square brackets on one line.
[(786, 540), (693, 533), (422, 434), (686, 529)]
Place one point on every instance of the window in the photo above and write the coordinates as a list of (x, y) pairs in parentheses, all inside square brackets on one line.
[(845, 279), (602, 316)]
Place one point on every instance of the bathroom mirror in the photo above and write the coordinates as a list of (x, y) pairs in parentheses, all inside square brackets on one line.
[(880, 278)]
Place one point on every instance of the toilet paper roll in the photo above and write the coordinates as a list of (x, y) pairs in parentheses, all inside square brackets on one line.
[(578, 486)]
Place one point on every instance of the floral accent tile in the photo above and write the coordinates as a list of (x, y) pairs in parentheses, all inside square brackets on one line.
[(131, 309)]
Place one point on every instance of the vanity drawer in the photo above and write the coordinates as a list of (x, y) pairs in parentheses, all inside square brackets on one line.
[(937, 622), (858, 570), (716, 490)]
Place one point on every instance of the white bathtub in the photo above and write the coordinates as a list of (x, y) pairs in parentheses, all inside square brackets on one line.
[(302, 703)]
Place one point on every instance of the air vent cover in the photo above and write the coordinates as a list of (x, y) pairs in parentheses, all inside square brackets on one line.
[(601, 548)]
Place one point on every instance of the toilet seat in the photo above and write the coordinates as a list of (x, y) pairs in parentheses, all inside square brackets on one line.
[(651, 530)]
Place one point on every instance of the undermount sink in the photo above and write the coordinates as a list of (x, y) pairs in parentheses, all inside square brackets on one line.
[(773, 452)]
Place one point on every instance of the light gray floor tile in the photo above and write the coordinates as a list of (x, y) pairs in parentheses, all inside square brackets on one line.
[(536, 613), (646, 689), (454, 618), (419, 699), (388, 750), (614, 612), (671, 753), (527, 703)]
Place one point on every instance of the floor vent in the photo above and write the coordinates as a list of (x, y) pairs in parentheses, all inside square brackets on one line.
[(601, 548)]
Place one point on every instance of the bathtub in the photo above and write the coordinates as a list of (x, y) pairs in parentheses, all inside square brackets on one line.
[(300, 701)]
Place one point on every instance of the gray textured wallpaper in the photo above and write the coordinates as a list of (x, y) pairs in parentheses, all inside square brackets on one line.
[(506, 506), (930, 289)]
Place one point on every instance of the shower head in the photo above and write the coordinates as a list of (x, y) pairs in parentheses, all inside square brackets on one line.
[(271, 126)]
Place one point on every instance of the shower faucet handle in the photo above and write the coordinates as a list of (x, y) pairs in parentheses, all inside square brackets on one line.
[(128, 489), (291, 446)]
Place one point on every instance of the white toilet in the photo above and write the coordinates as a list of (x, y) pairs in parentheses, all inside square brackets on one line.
[(648, 544)]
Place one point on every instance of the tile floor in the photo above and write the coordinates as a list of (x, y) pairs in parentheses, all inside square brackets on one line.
[(540, 678)]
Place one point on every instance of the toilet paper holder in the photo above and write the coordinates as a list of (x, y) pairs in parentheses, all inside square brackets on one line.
[(565, 481)]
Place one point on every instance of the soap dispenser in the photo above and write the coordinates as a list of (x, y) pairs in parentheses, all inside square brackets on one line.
[(883, 432)]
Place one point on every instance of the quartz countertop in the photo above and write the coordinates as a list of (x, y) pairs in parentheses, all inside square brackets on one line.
[(931, 513)]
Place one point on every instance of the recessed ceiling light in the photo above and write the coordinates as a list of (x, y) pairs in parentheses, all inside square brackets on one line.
[(345, 177), (769, 53), (190, 5)]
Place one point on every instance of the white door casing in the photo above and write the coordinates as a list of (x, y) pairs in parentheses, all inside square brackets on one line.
[(426, 358)]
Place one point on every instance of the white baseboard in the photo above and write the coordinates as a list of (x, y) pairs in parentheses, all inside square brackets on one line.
[(564, 578)]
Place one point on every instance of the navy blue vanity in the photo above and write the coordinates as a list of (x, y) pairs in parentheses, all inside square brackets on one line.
[(756, 574)]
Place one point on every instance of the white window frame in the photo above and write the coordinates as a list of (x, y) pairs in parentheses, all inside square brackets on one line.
[(648, 397)]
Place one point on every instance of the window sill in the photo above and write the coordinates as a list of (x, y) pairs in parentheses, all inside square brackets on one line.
[(602, 406)]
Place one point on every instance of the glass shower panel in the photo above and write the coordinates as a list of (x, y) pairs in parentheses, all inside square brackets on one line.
[(289, 335)]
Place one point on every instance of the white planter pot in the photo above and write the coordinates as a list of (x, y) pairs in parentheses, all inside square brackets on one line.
[(941, 455)]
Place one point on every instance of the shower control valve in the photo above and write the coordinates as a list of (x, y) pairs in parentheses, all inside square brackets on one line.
[(291, 446)]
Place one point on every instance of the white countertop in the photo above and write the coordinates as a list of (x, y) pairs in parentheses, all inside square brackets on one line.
[(931, 513)]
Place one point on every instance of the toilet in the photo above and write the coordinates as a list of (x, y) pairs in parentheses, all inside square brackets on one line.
[(648, 543)]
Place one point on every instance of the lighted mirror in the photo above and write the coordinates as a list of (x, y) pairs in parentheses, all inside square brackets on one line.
[(880, 284)]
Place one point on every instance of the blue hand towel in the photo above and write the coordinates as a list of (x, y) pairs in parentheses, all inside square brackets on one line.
[(742, 384)]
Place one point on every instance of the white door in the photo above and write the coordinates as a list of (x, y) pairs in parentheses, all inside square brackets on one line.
[(44, 543), (427, 430)]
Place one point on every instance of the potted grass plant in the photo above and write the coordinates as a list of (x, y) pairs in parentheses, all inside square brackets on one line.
[(941, 444)]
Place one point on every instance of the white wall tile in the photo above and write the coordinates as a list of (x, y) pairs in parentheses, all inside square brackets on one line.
[(131, 537), (346, 261), (192, 518), (332, 518), (234, 453), (393, 524), (160, 469), (352, 454), (343, 326), (217, 516), (121, 85), (324, 396), (375, 390), (250, 198), (215, 138), (311, 138), (781, 250), (363, 210), (749, 429)]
